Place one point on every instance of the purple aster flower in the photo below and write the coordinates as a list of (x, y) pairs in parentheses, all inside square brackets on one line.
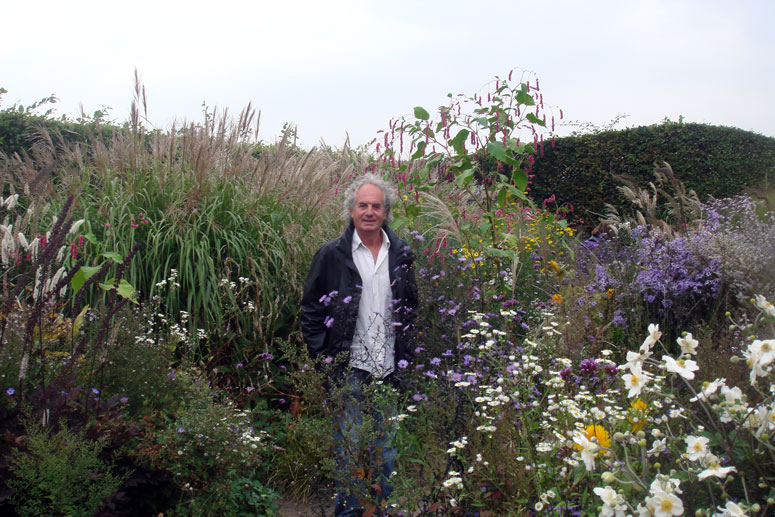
[(239, 365), (347, 299), (403, 363), (328, 321), (124, 400), (181, 429), (10, 391), (588, 367)]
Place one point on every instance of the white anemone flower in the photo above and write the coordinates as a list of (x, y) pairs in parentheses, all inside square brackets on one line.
[(713, 468), (762, 351), (764, 305), (589, 449), (664, 504), (653, 337), (683, 367), (708, 389), (613, 503), (696, 447), (635, 380), (688, 344), (657, 447), (730, 510)]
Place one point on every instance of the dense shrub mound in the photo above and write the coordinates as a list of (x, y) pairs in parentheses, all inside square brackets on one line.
[(712, 160)]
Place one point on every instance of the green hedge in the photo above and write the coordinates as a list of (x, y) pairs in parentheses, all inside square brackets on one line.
[(712, 160), (19, 130)]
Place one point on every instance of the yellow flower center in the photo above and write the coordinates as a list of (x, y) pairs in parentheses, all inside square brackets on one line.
[(667, 505)]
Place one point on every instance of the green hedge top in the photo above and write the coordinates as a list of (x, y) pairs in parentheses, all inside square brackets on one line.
[(712, 160)]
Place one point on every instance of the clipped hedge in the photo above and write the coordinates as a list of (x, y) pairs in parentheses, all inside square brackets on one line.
[(19, 130), (713, 160)]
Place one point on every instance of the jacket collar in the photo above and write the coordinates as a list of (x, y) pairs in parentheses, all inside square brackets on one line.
[(396, 249)]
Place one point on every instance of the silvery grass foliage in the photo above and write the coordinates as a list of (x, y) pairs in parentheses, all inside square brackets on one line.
[(218, 203), (636, 437)]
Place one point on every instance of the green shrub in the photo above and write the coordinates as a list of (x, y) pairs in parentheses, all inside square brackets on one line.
[(712, 160), (60, 474)]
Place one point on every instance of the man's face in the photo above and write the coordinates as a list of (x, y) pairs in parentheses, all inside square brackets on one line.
[(368, 212)]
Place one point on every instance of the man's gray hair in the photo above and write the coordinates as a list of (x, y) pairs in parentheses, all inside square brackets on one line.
[(369, 179)]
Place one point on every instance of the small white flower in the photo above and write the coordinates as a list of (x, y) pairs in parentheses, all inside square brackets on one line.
[(708, 389), (764, 305), (730, 510), (589, 449), (635, 380), (684, 368), (688, 344), (613, 503), (696, 447), (652, 338), (714, 468), (657, 447), (664, 504)]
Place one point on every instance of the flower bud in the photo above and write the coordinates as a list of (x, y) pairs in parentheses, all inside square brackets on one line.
[(734, 359), (756, 508), (608, 477), (657, 465), (770, 501), (765, 436), (699, 513), (641, 434), (642, 442), (618, 436)]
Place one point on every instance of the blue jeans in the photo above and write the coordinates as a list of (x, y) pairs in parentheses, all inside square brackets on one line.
[(361, 469)]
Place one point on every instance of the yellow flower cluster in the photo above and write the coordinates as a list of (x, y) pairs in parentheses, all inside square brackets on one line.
[(543, 232)]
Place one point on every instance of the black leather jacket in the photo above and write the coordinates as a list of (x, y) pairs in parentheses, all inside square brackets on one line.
[(328, 324)]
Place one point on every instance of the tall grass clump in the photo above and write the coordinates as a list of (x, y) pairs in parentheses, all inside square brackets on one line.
[(233, 219)]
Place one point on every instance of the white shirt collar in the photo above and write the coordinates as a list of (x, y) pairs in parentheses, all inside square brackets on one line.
[(358, 242)]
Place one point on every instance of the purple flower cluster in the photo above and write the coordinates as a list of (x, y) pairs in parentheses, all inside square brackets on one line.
[(674, 275)]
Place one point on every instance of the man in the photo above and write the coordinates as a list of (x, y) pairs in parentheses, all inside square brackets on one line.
[(360, 307)]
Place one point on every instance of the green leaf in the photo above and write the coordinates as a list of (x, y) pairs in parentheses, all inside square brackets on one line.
[(81, 276), (502, 197), (125, 289), (519, 193), (114, 256), (525, 98), (421, 113), (420, 149), (459, 142), (412, 210), (497, 150), (535, 120), (519, 178), (89, 236), (465, 177), (495, 252)]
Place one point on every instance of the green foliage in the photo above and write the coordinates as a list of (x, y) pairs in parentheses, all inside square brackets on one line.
[(713, 161), (21, 127), (60, 474), (211, 450)]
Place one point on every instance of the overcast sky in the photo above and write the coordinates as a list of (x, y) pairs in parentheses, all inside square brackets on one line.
[(349, 66)]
